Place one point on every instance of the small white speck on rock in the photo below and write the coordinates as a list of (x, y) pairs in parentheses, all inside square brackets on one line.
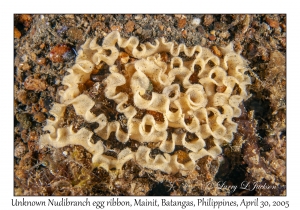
[(196, 21), (57, 81), (138, 17), (65, 153), (24, 58)]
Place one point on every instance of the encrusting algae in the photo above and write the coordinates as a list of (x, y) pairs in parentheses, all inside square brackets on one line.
[(169, 98)]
